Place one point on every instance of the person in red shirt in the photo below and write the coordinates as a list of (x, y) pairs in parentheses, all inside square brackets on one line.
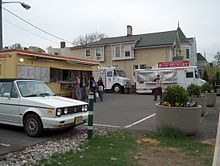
[(158, 89)]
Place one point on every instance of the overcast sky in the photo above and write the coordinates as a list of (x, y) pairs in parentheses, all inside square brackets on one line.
[(69, 19)]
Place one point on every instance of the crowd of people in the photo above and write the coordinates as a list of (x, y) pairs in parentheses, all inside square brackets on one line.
[(85, 85)]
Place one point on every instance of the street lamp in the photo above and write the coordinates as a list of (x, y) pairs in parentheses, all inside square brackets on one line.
[(24, 5)]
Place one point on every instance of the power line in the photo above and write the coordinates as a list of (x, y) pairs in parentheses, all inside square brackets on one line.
[(29, 31), (37, 27)]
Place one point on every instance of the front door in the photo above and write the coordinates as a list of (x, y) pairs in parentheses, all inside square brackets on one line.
[(9, 103)]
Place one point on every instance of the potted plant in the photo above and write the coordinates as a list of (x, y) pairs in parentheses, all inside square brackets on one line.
[(177, 111), (208, 90), (194, 92)]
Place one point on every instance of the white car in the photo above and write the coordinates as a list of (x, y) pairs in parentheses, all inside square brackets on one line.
[(32, 105)]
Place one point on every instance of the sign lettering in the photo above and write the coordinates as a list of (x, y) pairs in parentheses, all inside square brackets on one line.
[(174, 64)]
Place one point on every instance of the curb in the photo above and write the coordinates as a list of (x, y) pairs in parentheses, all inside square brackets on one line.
[(216, 159)]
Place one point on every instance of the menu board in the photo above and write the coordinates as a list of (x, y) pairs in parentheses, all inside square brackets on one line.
[(38, 73)]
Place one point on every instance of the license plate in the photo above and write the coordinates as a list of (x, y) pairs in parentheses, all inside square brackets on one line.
[(78, 120)]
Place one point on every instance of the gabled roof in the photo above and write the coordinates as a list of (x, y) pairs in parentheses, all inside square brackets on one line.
[(200, 57), (156, 39), (166, 38), (182, 36)]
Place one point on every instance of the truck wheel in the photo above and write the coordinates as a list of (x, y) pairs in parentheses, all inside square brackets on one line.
[(117, 88), (32, 125)]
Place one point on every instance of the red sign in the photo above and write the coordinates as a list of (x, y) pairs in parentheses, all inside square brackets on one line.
[(173, 64)]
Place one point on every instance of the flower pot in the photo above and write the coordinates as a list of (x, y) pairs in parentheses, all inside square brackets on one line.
[(203, 102), (185, 119), (211, 99)]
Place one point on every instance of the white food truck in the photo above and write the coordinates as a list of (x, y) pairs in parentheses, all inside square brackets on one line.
[(113, 78), (183, 76)]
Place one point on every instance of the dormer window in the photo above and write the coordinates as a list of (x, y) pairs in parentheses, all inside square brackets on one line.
[(127, 50), (117, 51), (122, 51)]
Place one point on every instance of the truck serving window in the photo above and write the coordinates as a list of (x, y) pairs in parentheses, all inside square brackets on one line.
[(189, 75)]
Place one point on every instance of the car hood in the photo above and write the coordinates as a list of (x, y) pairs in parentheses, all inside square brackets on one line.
[(52, 101)]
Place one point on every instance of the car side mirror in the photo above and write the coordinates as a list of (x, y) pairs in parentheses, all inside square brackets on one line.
[(6, 95)]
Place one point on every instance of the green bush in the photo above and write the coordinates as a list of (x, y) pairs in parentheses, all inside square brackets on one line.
[(218, 77), (175, 96), (205, 76), (194, 90), (206, 87)]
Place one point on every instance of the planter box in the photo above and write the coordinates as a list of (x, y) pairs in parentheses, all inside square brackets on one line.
[(203, 102), (211, 99), (185, 119)]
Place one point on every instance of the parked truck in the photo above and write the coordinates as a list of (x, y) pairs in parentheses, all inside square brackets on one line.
[(183, 76), (113, 78)]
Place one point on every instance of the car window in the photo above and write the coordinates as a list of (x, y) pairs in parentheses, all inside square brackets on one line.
[(33, 89), (14, 92), (5, 87)]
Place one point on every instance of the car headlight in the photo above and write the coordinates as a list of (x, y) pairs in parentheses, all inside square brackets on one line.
[(59, 112), (65, 111), (84, 108)]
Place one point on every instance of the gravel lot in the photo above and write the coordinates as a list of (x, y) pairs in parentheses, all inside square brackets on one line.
[(31, 154)]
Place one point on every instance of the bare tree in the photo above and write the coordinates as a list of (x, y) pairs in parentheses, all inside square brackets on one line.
[(217, 57), (88, 38)]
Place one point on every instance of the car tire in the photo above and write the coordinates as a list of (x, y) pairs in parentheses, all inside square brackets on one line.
[(32, 125), (117, 88)]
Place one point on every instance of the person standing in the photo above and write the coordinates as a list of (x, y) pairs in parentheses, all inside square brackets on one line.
[(92, 87), (83, 86), (100, 88), (78, 90), (158, 89)]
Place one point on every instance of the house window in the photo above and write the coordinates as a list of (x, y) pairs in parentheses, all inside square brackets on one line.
[(117, 51), (127, 50), (139, 66), (187, 53), (88, 52), (98, 53)]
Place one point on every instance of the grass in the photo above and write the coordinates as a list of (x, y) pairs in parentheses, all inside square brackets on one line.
[(109, 149), (173, 138), (118, 148)]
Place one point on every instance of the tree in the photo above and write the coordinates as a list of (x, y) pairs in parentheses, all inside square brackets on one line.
[(205, 75), (16, 46), (218, 77), (88, 38), (35, 49), (217, 57)]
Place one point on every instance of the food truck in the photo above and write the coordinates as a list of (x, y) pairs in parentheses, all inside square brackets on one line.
[(171, 73), (59, 72), (113, 78)]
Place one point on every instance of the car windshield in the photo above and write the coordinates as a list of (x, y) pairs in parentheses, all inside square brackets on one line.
[(120, 73), (34, 89)]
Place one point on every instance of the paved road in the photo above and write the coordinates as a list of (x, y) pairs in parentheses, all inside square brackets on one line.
[(134, 112)]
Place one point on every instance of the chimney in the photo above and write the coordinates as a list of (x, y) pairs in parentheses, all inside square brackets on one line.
[(129, 30), (62, 44)]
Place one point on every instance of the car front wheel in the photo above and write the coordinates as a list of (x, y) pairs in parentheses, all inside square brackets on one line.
[(32, 125)]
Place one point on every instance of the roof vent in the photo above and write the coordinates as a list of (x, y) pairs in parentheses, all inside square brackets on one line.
[(62, 44)]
